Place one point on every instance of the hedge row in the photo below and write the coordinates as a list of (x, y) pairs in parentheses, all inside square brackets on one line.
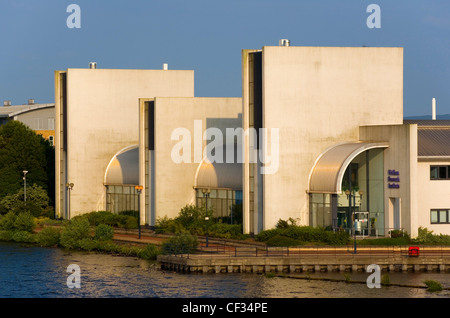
[(298, 235)]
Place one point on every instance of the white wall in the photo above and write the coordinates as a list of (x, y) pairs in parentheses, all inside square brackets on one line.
[(102, 119), (317, 97), (432, 194)]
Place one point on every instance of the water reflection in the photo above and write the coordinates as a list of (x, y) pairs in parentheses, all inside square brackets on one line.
[(33, 272)]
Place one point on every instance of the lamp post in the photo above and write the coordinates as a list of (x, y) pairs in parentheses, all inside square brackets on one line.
[(139, 190), (25, 185), (351, 204), (69, 187), (206, 192)]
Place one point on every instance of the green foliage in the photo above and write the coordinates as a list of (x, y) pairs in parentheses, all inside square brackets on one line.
[(180, 244), (22, 222), (398, 233), (192, 219), (433, 286), (279, 240), (37, 201), (23, 237), (6, 235), (22, 149), (166, 225), (426, 236), (149, 252), (386, 241), (306, 234), (73, 232), (48, 236), (111, 219), (104, 232), (385, 280), (7, 221)]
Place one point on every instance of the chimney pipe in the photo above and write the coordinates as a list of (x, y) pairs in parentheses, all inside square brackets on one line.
[(31, 102), (433, 109), (92, 65), (165, 66), (7, 103)]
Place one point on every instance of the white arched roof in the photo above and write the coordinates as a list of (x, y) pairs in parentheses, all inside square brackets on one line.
[(327, 173), (124, 167)]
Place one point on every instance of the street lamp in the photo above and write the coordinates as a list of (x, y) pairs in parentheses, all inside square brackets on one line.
[(139, 190), (25, 185), (352, 208), (206, 192), (69, 187)]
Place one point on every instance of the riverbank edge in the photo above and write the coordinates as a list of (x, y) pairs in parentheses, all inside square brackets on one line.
[(347, 281)]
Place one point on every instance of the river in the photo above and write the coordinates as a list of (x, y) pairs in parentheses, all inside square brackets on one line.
[(35, 272)]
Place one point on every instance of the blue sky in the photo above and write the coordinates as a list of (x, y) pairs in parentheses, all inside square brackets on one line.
[(207, 36)]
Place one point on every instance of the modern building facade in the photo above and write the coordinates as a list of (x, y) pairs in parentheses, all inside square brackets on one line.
[(97, 119), (318, 136), (38, 117), (347, 160), (189, 155)]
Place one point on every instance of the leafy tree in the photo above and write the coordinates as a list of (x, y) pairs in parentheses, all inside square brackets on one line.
[(37, 201), (22, 149)]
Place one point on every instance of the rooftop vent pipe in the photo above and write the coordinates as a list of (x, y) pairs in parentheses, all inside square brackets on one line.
[(31, 102), (433, 109), (165, 66), (7, 103), (284, 42), (92, 65)]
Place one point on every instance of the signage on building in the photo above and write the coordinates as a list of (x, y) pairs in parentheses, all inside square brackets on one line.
[(393, 179)]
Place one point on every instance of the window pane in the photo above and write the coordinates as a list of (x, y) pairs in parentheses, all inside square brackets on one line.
[(434, 216), (443, 172), (433, 173), (443, 216)]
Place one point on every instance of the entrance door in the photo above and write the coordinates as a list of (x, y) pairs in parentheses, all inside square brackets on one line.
[(394, 209)]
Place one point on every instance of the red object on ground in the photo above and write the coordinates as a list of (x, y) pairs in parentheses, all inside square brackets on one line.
[(413, 251)]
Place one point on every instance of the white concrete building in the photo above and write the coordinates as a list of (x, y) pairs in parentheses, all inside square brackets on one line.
[(345, 154), (97, 118)]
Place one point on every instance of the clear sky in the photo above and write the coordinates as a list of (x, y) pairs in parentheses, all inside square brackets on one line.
[(207, 36)]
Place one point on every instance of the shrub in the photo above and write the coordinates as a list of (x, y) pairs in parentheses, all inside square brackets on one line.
[(76, 230), (24, 222), (108, 218), (6, 235), (427, 237), (23, 237), (279, 240), (385, 280), (7, 221), (104, 232), (225, 230), (166, 225), (48, 236), (306, 234), (180, 244), (149, 252), (433, 286), (87, 244)]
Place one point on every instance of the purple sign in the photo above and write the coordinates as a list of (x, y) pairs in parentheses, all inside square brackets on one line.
[(393, 179)]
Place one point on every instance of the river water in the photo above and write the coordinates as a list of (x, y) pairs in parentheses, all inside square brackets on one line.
[(35, 272)]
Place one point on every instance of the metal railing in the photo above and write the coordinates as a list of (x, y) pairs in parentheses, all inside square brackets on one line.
[(225, 249)]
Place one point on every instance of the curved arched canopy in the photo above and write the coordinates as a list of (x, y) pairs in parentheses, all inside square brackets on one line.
[(219, 175), (124, 167), (327, 174)]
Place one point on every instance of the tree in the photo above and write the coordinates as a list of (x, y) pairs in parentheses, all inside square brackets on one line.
[(37, 201), (22, 149)]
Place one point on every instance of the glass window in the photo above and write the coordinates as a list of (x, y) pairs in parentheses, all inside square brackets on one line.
[(433, 173), (434, 216), (443, 172), (443, 216)]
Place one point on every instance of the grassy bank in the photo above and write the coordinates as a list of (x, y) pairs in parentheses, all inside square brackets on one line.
[(76, 234)]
